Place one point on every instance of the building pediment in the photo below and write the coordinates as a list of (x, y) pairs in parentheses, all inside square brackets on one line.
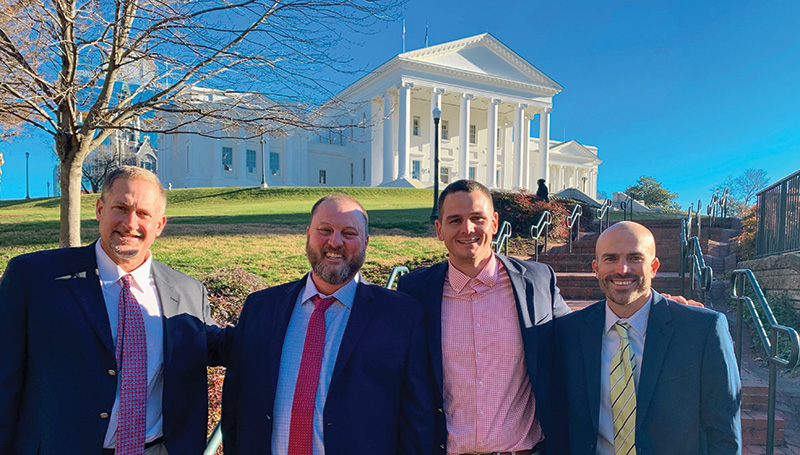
[(482, 55), (574, 151)]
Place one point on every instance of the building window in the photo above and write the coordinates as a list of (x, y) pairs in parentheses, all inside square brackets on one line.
[(274, 163), (415, 126), (227, 159), (444, 175), (363, 169), (251, 161), (149, 163), (415, 167), (445, 130), (472, 172), (473, 134), (352, 177), (323, 177)]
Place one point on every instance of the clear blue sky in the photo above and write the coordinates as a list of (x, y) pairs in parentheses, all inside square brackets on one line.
[(687, 92)]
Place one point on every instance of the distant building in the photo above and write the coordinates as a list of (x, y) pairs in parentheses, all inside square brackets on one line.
[(489, 99)]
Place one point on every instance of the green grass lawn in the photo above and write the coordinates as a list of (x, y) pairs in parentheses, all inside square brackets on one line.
[(260, 231)]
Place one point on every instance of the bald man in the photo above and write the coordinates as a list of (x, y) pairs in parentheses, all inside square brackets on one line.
[(643, 373)]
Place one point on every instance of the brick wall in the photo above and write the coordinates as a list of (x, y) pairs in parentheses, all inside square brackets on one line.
[(779, 273)]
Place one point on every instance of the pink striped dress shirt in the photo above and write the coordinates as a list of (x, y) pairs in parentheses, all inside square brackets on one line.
[(488, 401)]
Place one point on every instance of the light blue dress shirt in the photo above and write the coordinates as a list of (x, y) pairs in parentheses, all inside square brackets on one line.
[(335, 322)]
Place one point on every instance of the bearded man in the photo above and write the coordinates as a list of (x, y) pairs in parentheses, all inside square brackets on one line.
[(330, 364)]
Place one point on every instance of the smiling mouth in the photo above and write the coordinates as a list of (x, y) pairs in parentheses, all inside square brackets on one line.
[(128, 235), (467, 241)]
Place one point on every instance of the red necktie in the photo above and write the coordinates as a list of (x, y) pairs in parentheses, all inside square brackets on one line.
[(301, 429), (131, 353)]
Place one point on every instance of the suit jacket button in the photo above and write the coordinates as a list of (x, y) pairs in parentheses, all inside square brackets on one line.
[(103, 415), (112, 373), (441, 410), (441, 446)]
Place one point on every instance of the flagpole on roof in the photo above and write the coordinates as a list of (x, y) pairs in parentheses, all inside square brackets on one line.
[(404, 35), (426, 34)]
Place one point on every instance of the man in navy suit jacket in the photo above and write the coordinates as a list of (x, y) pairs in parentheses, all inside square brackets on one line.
[(374, 393), (59, 379), (493, 375), (687, 390)]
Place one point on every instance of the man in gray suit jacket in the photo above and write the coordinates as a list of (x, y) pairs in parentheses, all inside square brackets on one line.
[(64, 366), (643, 373)]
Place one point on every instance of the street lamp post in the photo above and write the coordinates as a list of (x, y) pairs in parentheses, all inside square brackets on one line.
[(263, 164), (437, 114), (27, 191), (48, 189)]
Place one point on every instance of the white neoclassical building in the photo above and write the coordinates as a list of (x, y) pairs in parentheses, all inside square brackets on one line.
[(489, 98)]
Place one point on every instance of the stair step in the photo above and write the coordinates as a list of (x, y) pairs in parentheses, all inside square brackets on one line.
[(754, 428)]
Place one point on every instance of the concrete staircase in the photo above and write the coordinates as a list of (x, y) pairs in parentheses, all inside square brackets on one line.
[(574, 270)]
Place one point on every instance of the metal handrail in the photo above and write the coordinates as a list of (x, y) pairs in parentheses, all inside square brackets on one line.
[(602, 212), (397, 272), (576, 214), (503, 235), (216, 436), (717, 208), (701, 275), (624, 204), (543, 225), (770, 342)]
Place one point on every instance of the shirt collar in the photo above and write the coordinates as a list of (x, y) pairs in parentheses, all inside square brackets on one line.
[(345, 294), (110, 272), (488, 276), (638, 321)]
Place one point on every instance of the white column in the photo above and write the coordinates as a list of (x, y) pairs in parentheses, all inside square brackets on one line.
[(388, 155), (526, 153), (404, 133), (519, 134), (562, 177), (436, 100), (593, 183), (463, 165), (578, 178), (544, 144), (491, 143)]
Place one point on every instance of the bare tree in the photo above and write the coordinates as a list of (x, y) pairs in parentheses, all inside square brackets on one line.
[(95, 169), (81, 70), (743, 189)]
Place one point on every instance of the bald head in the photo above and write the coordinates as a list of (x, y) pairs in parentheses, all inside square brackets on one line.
[(625, 264)]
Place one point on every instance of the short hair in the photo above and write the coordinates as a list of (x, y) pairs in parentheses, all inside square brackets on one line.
[(133, 173), (540, 181), (339, 198), (467, 186)]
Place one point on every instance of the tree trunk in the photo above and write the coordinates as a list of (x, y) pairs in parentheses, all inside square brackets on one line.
[(69, 149)]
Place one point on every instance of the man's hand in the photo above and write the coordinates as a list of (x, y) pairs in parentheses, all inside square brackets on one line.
[(681, 299)]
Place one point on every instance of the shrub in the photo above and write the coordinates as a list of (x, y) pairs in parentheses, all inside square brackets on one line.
[(227, 290), (746, 241), (523, 210)]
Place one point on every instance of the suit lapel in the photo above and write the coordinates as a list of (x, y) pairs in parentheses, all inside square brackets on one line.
[(363, 308), (523, 291), (657, 341), (85, 287), (591, 345), (433, 301), (170, 302)]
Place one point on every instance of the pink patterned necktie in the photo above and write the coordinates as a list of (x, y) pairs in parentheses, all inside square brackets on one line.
[(301, 428), (131, 353)]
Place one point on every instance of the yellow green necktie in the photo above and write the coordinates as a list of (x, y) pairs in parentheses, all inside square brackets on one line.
[(623, 394)]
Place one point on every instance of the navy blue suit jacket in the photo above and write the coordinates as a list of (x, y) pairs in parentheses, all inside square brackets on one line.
[(689, 394), (380, 399), (538, 304), (57, 356)]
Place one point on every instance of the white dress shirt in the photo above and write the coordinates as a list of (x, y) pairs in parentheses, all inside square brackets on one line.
[(636, 337), (143, 288)]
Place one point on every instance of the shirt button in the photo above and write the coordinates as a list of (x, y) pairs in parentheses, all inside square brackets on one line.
[(480, 382), (103, 415), (112, 373), (478, 324), (480, 354)]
